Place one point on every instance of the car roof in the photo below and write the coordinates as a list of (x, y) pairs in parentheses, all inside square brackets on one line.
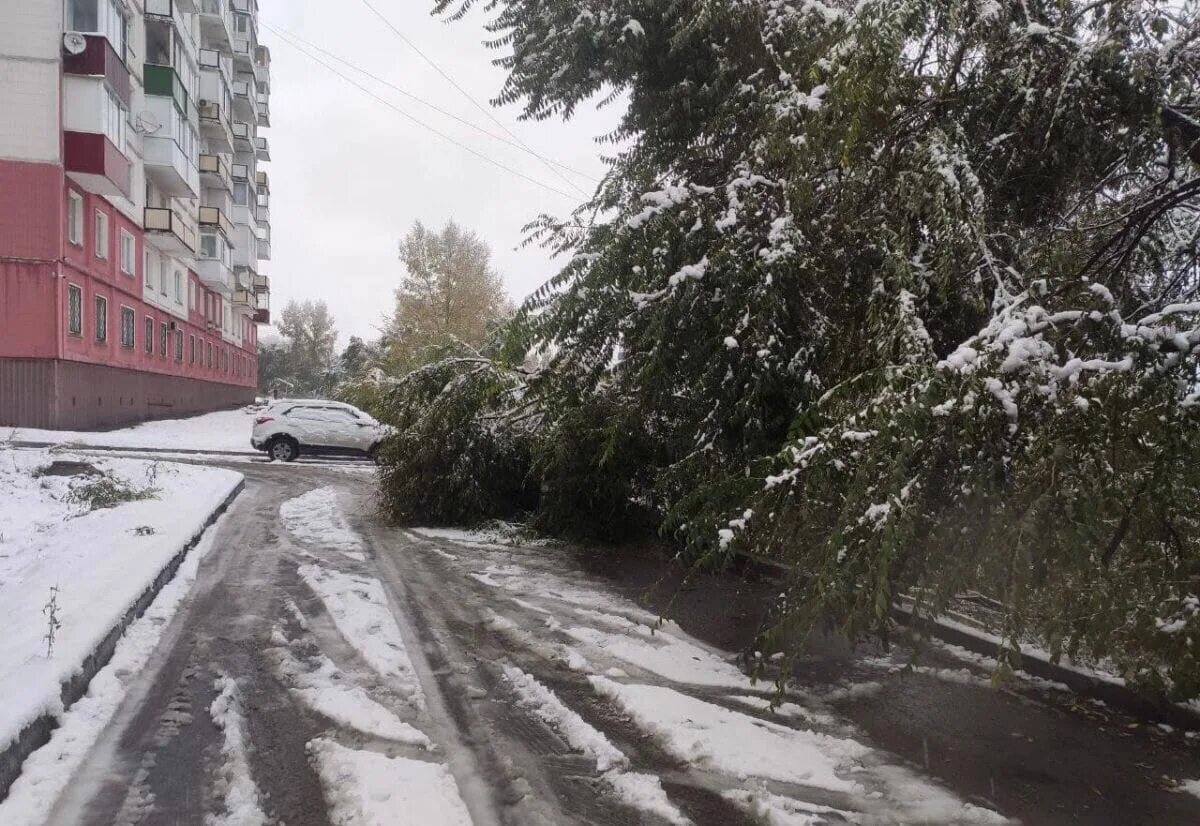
[(313, 403)]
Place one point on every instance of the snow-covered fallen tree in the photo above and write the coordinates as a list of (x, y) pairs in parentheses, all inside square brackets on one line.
[(904, 294)]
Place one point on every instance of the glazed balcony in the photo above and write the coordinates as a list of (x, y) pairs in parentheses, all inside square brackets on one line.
[(262, 148), (166, 230), (214, 264), (96, 164), (264, 109), (245, 100), (216, 23), (243, 136), (100, 60), (264, 182), (161, 80)]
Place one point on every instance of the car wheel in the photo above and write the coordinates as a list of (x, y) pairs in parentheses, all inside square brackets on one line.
[(283, 450)]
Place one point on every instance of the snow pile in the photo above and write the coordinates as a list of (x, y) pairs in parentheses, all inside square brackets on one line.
[(710, 736), (317, 518), (365, 788), (226, 431), (322, 689), (359, 608), (240, 796), (47, 771), (641, 791), (101, 562), (672, 658)]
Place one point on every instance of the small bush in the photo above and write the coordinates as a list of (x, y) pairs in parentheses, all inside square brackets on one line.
[(108, 491)]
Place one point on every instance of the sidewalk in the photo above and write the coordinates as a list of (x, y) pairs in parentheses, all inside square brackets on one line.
[(96, 570)]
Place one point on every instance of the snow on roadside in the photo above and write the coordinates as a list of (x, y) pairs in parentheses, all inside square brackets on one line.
[(701, 733), (359, 608), (317, 518), (672, 658), (641, 791), (101, 561), (365, 788), (224, 431), (239, 796), (776, 810), (48, 770), (322, 689)]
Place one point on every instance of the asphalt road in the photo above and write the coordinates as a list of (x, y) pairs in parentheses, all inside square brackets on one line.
[(470, 613)]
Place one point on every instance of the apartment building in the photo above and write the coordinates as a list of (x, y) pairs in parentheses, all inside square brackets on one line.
[(134, 210)]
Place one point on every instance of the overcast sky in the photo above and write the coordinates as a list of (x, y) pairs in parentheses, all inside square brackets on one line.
[(350, 175)]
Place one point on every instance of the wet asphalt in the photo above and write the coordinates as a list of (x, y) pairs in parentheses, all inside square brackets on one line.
[(1035, 755)]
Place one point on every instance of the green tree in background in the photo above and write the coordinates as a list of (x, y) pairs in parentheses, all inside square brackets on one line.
[(303, 361)]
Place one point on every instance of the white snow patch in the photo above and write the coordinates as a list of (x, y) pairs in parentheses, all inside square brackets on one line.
[(735, 744), (579, 735), (323, 689), (101, 561), (359, 608), (317, 518), (365, 788), (234, 782), (48, 770), (674, 659), (226, 431)]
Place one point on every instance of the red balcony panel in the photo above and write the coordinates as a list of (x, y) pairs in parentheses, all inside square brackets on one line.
[(94, 156), (100, 59), (262, 316)]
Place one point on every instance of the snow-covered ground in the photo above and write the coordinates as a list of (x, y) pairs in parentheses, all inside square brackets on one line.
[(226, 431), (100, 562)]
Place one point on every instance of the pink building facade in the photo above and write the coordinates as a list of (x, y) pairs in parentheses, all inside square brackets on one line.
[(110, 314)]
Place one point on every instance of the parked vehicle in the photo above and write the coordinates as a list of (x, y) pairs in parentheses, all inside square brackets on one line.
[(288, 428)]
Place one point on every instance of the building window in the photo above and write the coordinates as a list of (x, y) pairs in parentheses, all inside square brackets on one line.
[(74, 310), (191, 349), (210, 356), (101, 235), (162, 339), (146, 269), (127, 248), (116, 119), (99, 17), (75, 218), (192, 295), (149, 336), (178, 287), (128, 320), (179, 346), (162, 279), (101, 318)]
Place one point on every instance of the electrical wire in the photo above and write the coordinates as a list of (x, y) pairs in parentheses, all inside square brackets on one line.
[(424, 125), (486, 110), (286, 33)]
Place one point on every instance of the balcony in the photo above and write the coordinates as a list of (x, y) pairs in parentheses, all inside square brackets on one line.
[(216, 23), (264, 109), (262, 149), (262, 65), (243, 136), (214, 173), (264, 249), (264, 183), (239, 172), (245, 300), (213, 264), (167, 29), (212, 218), (262, 284), (169, 167), (163, 81), (263, 216), (100, 59), (214, 126), (167, 231), (245, 102), (96, 164)]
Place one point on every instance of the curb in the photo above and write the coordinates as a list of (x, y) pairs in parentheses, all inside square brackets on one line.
[(37, 734), (79, 448), (1081, 682)]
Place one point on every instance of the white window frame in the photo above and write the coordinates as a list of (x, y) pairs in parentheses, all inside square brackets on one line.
[(128, 248), (101, 225), (75, 218)]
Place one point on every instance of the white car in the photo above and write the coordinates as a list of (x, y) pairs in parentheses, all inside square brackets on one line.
[(289, 427)]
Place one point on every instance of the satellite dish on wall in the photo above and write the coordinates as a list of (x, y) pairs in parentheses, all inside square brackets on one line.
[(146, 124), (74, 43)]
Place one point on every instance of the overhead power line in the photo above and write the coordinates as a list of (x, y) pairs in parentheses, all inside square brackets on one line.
[(286, 33), (482, 108), (424, 125)]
